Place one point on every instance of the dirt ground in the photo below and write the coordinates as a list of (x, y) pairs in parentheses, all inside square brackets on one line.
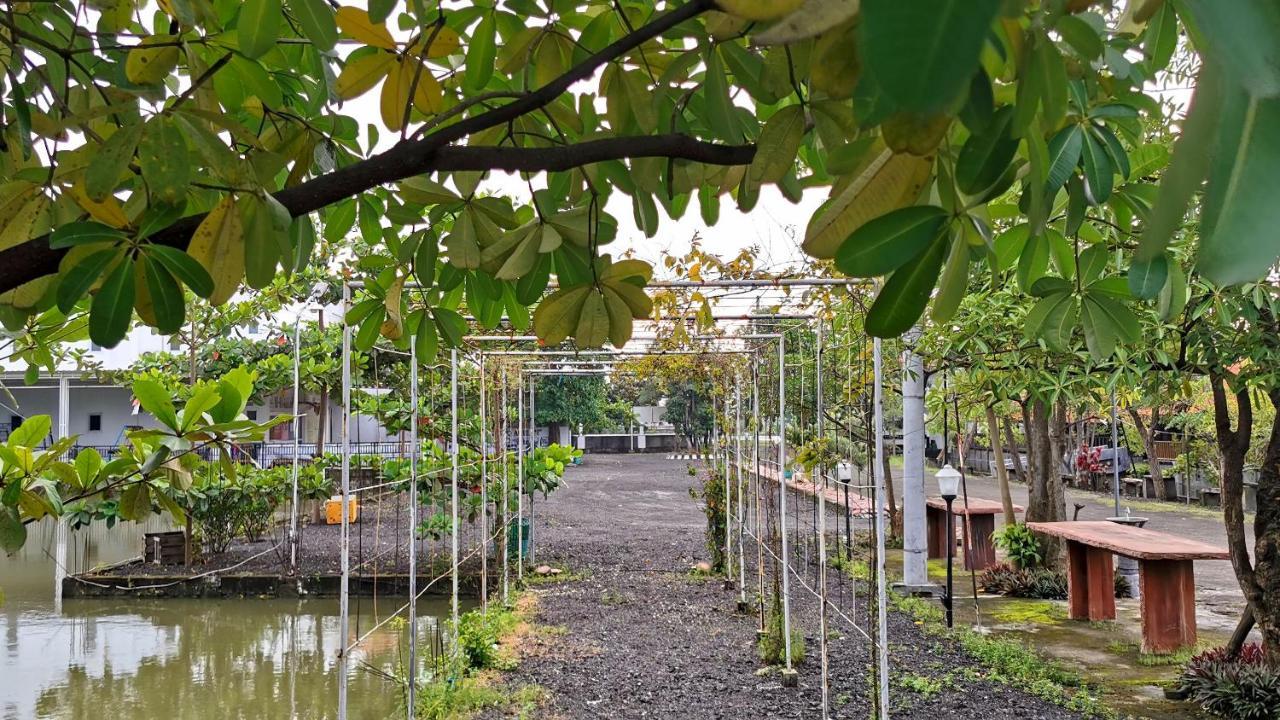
[(645, 638)]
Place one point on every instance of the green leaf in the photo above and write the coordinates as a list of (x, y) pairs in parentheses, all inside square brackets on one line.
[(593, 321), (183, 267), (261, 245), (112, 309), (721, 116), (1147, 277), (1099, 331), (317, 22), (302, 235), (1093, 260), (83, 233), (33, 431), (1242, 36), (162, 155), (890, 241), (1115, 151), (955, 280), (1241, 214), (1189, 165), (108, 164), (986, 154), (481, 54), (155, 399), (166, 296), (452, 327), (135, 501), (1080, 35), (367, 333), (1033, 262), (1160, 39), (1098, 174), (556, 317), (258, 26), (924, 53), (1173, 296), (76, 281), (13, 534), (906, 293), (778, 144), (426, 340), (1064, 155)]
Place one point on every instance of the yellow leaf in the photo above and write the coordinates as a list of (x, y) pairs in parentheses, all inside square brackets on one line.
[(889, 182), (444, 42), (759, 10), (395, 96), (13, 197), (28, 294), (356, 23), (361, 74), (24, 223), (428, 96), (142, 302), (149, 65), (218, 245), (109, 211)]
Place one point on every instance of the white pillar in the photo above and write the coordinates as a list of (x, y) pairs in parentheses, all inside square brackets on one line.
[(782, 500), (63, 531), (297, 429), (915, 543), (453, 504)]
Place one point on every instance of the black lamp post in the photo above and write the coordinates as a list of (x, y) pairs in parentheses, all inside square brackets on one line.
[(948, 486)]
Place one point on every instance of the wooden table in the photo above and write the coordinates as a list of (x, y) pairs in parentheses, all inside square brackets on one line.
[(1165, 577), (980, 552)]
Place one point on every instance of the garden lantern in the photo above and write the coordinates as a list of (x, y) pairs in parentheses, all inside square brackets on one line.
[(948, 487)]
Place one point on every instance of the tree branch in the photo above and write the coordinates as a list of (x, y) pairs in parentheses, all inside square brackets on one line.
[(34, 258)]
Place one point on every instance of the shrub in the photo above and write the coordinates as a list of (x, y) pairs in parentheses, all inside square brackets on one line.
[(772, 647), (1247, 687), (478, 636), (1038, 583), (712, 496), (1020, 544)]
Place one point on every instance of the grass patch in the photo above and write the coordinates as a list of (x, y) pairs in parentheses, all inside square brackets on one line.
[(1008, 661), (856, 569), (1140, 506), (473, 682), (1179, 658), (922, 685), (1025, 611)]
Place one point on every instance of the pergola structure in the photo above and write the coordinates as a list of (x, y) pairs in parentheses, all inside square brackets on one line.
[(727, 457)]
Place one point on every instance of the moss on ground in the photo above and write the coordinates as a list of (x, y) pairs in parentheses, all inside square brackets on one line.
[(1030, 612)]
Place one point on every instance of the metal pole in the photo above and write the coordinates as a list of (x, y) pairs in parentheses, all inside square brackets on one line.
[(728, 496), (297, 431), (755, 463), (506, 500), (882, 600), (484, 497), (737, 463), (782, 494), (344, 622), (453, 450), (1115, 454), (822, 532), (533, 445), (951, 554), (413, 527), (520, 478)]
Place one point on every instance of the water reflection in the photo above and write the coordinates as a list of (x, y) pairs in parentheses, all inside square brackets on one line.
[(198, 659)]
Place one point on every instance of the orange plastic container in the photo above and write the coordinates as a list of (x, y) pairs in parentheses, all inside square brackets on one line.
[(333, 510)]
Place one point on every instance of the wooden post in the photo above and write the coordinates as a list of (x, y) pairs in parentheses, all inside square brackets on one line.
[(1090, 583), (1168, 605), (979, 551), (936, 531)]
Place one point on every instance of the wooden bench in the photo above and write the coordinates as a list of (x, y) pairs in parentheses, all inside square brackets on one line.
[(980, 552), (1165, 576)]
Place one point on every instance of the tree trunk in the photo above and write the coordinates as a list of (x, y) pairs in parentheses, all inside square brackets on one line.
[(1002, 475), (1010, 442), (1045, 502), (895, 513), (1148, 436), (1233, 444), (1266, 531)]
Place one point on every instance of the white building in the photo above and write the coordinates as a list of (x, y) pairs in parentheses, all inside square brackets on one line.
[(99, 414)]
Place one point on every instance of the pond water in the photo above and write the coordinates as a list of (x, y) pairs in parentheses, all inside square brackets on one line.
[(183, 659)]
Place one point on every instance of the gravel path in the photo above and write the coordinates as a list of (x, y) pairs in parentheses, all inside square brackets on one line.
[(646, 639)]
